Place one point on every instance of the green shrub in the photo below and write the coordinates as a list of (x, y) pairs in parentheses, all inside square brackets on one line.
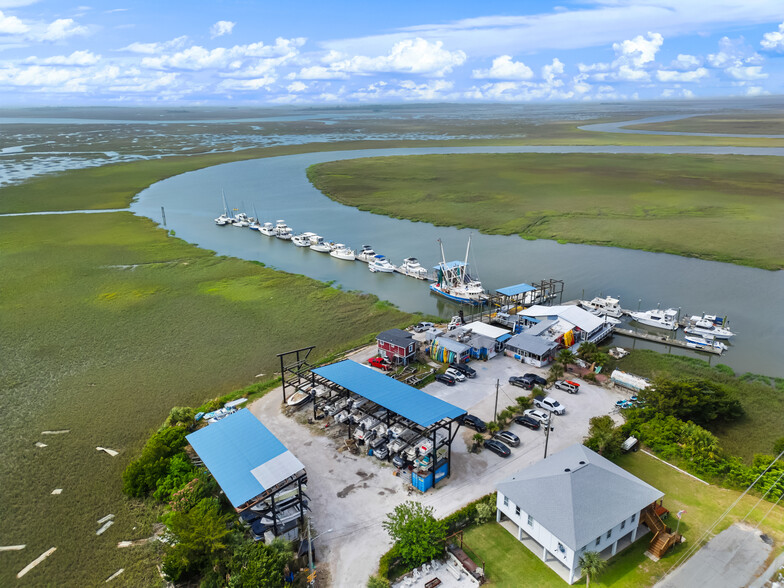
[(484, 512), (180, 415), (388, 560), (460, 519), (142, 475), (179, 472), (377, 582)]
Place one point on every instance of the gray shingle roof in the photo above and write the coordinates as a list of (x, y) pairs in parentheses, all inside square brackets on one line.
[(396, 337), (579, 505), (536, 345)]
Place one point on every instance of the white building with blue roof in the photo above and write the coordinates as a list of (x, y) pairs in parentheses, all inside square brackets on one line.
[(572, 502)]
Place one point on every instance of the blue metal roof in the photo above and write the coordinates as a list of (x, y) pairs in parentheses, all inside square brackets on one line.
[(450, 265), (515, 290), (232, 448), (408, 402)]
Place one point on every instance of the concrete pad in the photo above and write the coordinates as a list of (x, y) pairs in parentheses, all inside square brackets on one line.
[(732, 559)]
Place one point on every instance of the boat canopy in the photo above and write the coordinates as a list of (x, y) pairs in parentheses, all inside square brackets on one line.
[(449, 265), (516, 289)]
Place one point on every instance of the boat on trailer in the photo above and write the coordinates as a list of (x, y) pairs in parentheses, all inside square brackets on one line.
[(455, 283)]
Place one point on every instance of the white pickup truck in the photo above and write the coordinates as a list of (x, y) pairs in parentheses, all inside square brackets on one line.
[(548, 403)]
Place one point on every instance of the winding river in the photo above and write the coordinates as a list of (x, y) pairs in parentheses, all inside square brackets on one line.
[(278, 188)]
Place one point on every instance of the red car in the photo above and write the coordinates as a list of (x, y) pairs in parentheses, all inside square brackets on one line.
[(381, 363)]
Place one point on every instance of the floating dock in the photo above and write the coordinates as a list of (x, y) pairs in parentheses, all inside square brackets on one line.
[(663, 340)]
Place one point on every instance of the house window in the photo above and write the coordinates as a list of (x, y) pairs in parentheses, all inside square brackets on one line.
[(598, 540), (530, 521), (517, 510), (410, 348), (623, 524), (634, 516), (609, 533), (506, 501)]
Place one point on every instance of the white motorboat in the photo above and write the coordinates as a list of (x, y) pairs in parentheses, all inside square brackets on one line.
[(381, 264), (342, 252), (367, 254), (321, 246), (412, 268), (705, 327), (706, 343), (661, 319), (302, 240), (241, 220), (454, 282), (254, 223), (224, 219), (608, 306), (267, 229), (299, 398), (282, 230)]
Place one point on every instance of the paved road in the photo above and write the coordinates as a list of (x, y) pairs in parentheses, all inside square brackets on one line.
[(732, 559)]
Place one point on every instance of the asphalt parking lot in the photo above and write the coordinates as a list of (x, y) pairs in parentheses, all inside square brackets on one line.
[(350, 495)]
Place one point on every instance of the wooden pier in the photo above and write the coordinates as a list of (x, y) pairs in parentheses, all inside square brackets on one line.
[(662, 339)]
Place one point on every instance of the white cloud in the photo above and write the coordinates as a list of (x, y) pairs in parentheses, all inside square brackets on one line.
[(677, 93), (297, 87), (664, 75), (11, 25), (152, 48), (732, 52), (196, 58), (246, 85), (753, 72), (551, 71), (16, 3), (774, 41), (77, 58), (222, 27), (318, 72), (639, 51), (503, 68), (685, 62), (756, 91), (62, 28), (412, 56)]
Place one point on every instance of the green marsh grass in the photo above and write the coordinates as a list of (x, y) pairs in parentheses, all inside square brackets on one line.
[(723, 208)]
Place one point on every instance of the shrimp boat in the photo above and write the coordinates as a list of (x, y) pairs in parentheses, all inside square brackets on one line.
[(342, 252), (608, 306), (454, 282), (661, 319), (412, 268), (367, 254), (381, 264), (708, 325), (705, 343)]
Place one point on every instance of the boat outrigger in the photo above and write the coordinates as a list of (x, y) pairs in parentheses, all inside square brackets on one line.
[(454, 282)]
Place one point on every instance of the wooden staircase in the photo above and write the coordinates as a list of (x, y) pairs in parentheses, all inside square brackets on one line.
[(663, 537)]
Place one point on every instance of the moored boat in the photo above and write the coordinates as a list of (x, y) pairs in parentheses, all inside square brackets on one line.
[(608, 306), (267, 229), (302, 240), (342, 252), (661, 319), (367, 254), (241, 220), (412, 268), (705, 326), (381, 264), (705, 343), (321, 246), (454, 282)]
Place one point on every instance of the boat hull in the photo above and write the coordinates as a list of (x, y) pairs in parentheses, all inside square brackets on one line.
[(462, 299)]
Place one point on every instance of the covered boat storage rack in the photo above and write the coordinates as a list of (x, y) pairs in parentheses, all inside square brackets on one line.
[(254, 469), (417, 425)]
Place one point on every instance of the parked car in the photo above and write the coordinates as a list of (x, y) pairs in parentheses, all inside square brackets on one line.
[(539, 415), (381, 363), (631, 444), (456, 374), (475, 423), (466, 369), (422, 327), (527, 421), (522, 382), (548, 403), (445, 379), (568, 386), (536, 379), (497, 447), (507, 437)]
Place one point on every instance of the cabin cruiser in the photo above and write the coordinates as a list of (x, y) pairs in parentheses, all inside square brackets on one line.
[(241, 220), (267, 229), (705, 327), (283, 231), (342, 252), (302, 240), (661, 319), (454, 282), (411, 267), (605, 306), (224, 219), (321, 246), (254, 224), (367, 254), (381, 264), (706, 343)]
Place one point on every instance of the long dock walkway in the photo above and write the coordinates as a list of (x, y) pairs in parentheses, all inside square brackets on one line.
[(664, 340)]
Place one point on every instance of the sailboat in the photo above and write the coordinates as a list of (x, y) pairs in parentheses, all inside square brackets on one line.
[(224, 219), (454, 282)]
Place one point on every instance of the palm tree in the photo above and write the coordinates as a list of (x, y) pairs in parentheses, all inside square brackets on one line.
[(587, 351), (556, 372), (477, 439), (591, 564), (493, 427), (565, 357)]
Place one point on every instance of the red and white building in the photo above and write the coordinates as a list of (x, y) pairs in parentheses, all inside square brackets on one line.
[(397, 346)]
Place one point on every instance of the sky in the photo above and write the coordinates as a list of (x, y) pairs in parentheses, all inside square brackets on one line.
[(252, 52)]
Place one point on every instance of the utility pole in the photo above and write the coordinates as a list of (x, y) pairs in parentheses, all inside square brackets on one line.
[(495, 412), (311, 575), (547, 430)]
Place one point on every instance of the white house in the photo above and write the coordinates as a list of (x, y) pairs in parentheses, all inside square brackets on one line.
[(572, 502), (567, 324)]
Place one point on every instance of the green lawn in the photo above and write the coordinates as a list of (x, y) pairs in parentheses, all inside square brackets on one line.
[(508, 563), (652, 202), (106, 324), (736, 124)]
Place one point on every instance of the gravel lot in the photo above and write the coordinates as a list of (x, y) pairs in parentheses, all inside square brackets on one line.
[(350, 495)]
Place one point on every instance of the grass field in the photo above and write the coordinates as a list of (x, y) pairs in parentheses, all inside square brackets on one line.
[(737, 124), (508, 562), (762, 398), (107, 323), (725, 208)]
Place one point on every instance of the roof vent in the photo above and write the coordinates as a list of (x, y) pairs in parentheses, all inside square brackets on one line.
[(582, 463), (567, 470)]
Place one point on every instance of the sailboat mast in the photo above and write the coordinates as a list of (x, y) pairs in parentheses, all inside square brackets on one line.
[(225, 206)]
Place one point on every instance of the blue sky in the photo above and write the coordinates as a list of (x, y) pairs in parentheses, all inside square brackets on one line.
[(265, 53)]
